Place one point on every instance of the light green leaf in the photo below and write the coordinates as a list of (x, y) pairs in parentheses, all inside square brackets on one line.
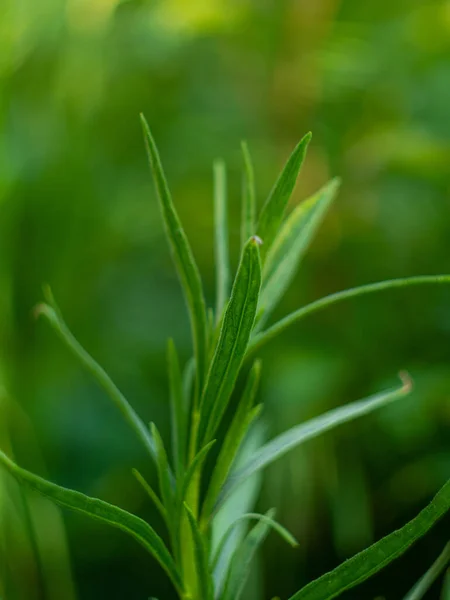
[(292, 438), (263, 337), (183, 257), (282, 531), (204, 579), (151, 493), (243, 418), (423, 585), (101, 511), (273, 210), (291, 244), (368, 562), (177, 409), (240, 564), (52, 313), (233, 340), (248, 219), (221, 238), (194, 467)]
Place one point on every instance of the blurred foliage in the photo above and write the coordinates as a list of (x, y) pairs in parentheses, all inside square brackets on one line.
[(371, 80)]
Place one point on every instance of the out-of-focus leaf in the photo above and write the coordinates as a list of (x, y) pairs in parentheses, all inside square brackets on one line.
[(419, 590), (240, 425), (248, 218), (291, 244), (182, 253), (233, 340), (273, 210), (102, 511), (292, 438), (368, 562), (221, 238)]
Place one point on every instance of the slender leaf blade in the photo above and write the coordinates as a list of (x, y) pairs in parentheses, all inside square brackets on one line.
[(248, 219), (233, 340), (183, 257), (221, 238), (240, 425), (101, 511), (419, 590), (273, 210), (291, 244), (368, 562), (151, 494), (165, 482), (204, 579), (300, 434), (177, 409)]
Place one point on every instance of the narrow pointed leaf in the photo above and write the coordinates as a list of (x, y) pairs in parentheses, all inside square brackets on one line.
[(240, 425), (273, 210), (291, 244), (242, 558), (248, 219), (423, 585), (183, 257), (194, 467), (221, 238), (53, 315), (233, 340), (101, 511), (282, 531), (151, 493), (368, 562), (300, 434), (204, 579), (446, 589), (177, 409), (165, 482), (261, 338)]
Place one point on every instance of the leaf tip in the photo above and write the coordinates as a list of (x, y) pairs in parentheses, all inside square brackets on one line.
[(407, 382)]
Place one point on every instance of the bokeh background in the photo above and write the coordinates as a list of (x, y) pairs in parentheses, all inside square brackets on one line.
[(78, 210)]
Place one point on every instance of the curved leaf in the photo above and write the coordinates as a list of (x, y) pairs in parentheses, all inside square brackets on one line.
[(370, 561), (292, 438), (423, 585), (273, 210), (233, 340), (183, 257), (101, 511)]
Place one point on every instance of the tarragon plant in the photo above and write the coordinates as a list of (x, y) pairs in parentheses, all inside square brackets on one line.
[(225, 340)]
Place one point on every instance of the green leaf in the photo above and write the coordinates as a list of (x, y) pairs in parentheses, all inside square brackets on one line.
[(164, 475), (446, 589), (177, 409), (240, 425), (151, 493), (248, 220), (194, 468), (423, 585), (282, 531), (242, 558), (52, 313), (273, 210), (292, 438), (233, 340), (101, 511), (183, 257), (368, 562), (261, 338), (291, 244), (204, 579), (221, 238)]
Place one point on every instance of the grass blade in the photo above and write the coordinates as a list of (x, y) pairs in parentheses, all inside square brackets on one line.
[(204, 579), (101, 511), (183, 257), (273, 210), (221, 238), (291, 244), (52, 314), (370, 561), (381, 286), (292, 438), (240, 425), (233, 340), (248, 220), (423, 585), (282, 531), (242, 558), (177, 409)]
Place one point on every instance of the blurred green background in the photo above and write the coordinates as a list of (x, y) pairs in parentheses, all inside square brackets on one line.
[(78, 210)]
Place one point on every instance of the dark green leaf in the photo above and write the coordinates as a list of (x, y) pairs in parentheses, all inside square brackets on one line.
[(164, 478), (425, 582), (273, 210), (204, 579), (151, 493), (178, 409)]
